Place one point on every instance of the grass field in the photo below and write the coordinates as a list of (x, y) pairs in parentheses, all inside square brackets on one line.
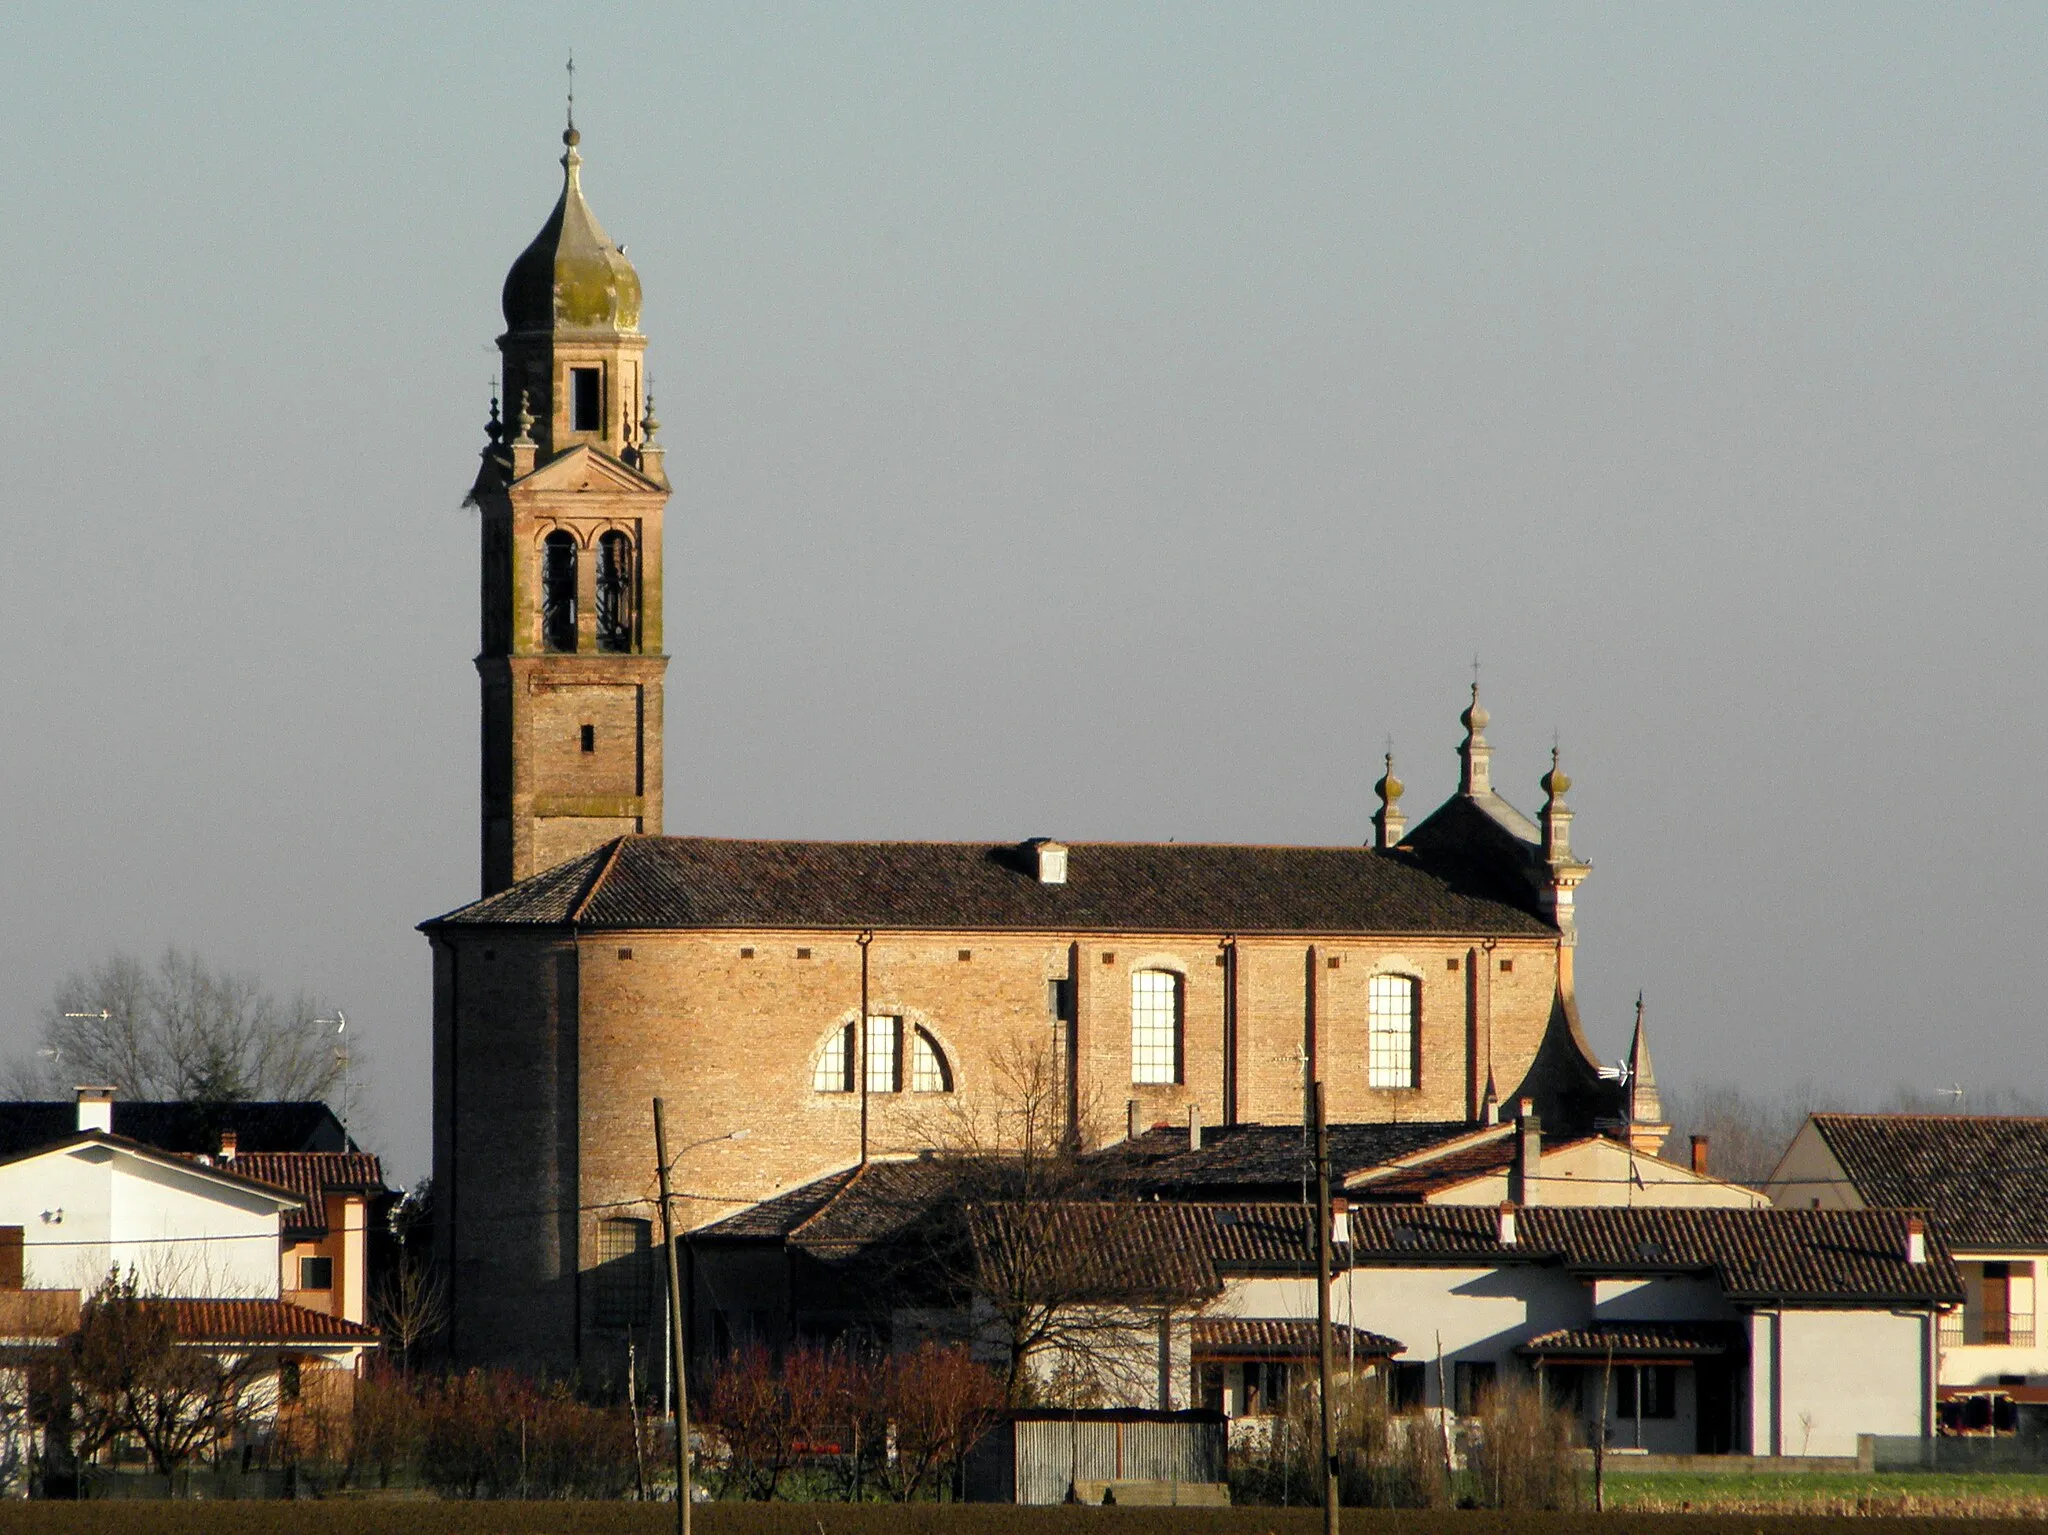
[(873, 1519), (1980, 1496)]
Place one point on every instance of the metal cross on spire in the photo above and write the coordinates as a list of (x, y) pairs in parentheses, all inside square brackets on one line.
[(572, 87)]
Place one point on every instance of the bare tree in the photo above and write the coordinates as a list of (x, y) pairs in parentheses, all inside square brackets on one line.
[(1065, 1276), (411, 1305), (131, 1374), (180, 1029)]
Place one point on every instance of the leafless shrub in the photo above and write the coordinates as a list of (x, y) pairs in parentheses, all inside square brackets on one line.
[(1522, 1454)]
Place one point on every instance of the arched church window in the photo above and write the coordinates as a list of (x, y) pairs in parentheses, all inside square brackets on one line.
[(1155, 1026), (833, 1072), (1390, 1031), (615, 592), (929, 1072), (558, 591)]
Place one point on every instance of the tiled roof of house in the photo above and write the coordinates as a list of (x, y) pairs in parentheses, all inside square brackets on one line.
[(260, 1321), (1109, 1251), (1755, 1255), (1261, 1338), (1982, 1178), (180, 1126), (705, 882), (854, 1206), (1630, 1341), (312, 1175), (1407, 1185), (1258, 1160)]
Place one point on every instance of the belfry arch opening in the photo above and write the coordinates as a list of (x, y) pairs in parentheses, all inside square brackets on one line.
[(615, 592), (558, 591)]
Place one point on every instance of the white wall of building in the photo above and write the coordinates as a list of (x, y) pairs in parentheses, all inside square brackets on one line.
[(87, 1208), (1820, 1378), (1606, 1172)]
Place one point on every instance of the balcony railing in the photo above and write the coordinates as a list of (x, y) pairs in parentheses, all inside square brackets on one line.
[(1973, 1331)]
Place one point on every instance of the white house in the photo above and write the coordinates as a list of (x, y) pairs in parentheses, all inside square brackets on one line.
[(1761, 1331), (1983, 1181), (200, 1240)]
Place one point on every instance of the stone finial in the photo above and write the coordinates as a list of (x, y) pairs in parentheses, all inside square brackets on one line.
[(1388, 824), (494, 429), (647, 455), (524, 448), (1475, 757)]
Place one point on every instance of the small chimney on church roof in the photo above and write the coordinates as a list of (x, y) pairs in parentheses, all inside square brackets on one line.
[(1048, 860)]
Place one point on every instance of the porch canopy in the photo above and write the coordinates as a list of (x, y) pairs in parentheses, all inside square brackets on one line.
[(1631, 1343), (1231, 1339)]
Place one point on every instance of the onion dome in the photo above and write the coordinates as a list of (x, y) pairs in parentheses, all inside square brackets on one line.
[(1555, 782), (572, 277), (1475, 718), (1389, 787)]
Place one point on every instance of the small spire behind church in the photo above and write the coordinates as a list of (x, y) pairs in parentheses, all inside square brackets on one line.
[(1388, 824), (1647, 1128)]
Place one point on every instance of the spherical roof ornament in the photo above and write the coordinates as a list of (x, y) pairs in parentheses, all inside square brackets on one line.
[(1555, 782), (1475, 718), (1389, 787)]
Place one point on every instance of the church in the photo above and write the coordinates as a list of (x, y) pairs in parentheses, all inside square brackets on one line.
[(809, 1007)]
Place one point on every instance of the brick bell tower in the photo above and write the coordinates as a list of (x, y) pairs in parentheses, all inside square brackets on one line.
[(571, 492)]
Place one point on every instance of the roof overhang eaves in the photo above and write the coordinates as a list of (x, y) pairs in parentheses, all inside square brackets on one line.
[(1538, 932)]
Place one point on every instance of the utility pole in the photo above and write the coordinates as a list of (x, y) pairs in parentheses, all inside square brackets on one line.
[(1324, 1257), (860, 1040), (675, 1330)]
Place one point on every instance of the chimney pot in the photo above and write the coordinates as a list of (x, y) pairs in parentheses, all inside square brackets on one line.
[(1131, 1119), (1340, 1221), (229, 1143), (1699, 1155), (96, 1109), (1194, 1127), (1508, 1234), (1916, 1239)]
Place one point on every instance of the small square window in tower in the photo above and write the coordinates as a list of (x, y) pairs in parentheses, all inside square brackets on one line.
[(586, 400)]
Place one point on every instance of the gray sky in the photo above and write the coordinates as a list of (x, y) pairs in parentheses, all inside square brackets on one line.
[(1091, 420)]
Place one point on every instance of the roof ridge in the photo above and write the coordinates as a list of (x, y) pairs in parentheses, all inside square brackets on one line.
[(597, 881)]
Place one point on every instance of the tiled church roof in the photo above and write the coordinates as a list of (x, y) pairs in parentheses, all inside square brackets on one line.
[(705, 882), (1259, 1161), (1983, 1178)]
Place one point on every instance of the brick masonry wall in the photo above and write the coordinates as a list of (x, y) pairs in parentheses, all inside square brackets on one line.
[(557, 1048)]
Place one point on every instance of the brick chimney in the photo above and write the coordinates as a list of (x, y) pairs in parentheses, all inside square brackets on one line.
[(1699, 1155), (1525, 1172), (96, 1109), (229, 1144)]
